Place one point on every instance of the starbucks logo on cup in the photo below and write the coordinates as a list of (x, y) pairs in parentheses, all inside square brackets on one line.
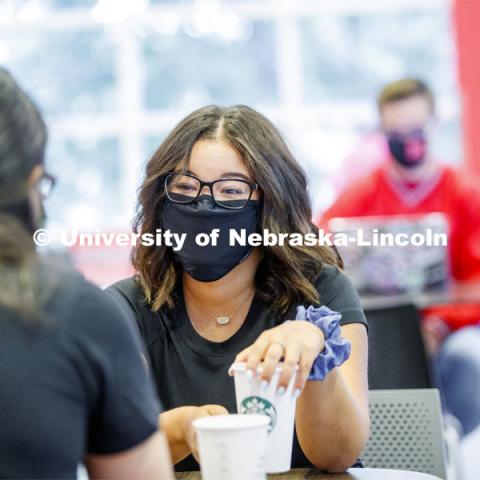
[(260, 406)]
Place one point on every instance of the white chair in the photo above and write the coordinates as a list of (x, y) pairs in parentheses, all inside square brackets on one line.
[(408, 433)]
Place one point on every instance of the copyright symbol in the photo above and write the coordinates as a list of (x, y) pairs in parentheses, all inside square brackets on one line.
[(41, 237)]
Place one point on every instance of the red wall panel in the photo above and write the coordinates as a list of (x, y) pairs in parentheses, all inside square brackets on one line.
[(466, 17)]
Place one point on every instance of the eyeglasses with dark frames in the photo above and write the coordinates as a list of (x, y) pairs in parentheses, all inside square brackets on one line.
[(46, 184), (231, 193)]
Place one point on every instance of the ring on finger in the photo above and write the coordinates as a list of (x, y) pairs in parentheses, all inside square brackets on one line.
[(279, 342)]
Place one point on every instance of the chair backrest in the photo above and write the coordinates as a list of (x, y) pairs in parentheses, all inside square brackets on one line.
[(397, 356), (406, 431)]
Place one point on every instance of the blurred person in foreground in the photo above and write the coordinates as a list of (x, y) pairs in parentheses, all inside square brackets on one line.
[(412, 181), (201, 309), (74, 386)]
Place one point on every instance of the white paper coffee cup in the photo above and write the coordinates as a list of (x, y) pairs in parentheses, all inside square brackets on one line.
[(252, 398), (232, 447)]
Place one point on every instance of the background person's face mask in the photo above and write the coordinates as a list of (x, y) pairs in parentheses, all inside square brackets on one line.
[(210, 263), (408, 150)]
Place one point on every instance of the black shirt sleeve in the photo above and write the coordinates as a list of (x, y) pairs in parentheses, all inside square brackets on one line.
[(124, 411), (338, 293)]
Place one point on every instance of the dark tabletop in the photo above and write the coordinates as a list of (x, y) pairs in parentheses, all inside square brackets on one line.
[(352, 474)]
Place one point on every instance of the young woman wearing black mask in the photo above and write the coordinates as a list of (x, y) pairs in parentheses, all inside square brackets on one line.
[(74, 387), (201, 309)]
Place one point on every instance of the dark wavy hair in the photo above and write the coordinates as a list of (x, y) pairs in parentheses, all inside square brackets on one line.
[(23, 137), (285, 274)]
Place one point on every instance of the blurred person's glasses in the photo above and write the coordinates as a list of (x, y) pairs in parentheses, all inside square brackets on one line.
[(418, 132), (46, 185), (426, 130), (227, 193)]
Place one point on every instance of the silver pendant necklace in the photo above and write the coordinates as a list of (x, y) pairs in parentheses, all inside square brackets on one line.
[(223, 320)]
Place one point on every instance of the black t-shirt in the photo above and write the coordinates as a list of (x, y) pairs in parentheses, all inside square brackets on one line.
[(72, 381), (191, 370)]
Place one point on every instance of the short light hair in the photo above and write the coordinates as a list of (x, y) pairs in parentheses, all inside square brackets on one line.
[(404, 89)]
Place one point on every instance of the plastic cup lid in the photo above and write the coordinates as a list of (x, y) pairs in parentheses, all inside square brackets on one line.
[(242, 368), (231, 422)]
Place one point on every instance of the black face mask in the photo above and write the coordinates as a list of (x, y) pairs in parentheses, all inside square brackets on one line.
[(210, 263), (408, 150)]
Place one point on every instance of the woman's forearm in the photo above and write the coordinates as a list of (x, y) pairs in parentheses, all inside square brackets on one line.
[(332, 426), (332, 415), (173, 423)]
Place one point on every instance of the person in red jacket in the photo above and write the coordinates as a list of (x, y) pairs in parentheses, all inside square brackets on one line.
[(411, 180)]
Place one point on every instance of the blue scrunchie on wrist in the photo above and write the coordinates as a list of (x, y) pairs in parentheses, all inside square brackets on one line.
[(337, 349)]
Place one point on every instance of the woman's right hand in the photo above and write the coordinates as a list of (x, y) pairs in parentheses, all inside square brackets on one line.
[(177, 425), (203, 411)]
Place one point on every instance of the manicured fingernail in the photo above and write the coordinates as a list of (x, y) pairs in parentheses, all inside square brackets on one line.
[(281, 391), (264, 384), (249, 375), (297, 393)]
